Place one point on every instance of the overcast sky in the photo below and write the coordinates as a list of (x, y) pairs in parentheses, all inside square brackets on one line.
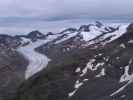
[(25, 12), (66, 9)]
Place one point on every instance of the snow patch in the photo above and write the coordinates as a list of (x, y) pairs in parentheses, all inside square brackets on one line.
[(94, 32), (100, 54), (102, 73), (76, 87), (122, 45), (78, 70), (67, 37), (72, 93), (130, 41), (119, 90), (117, 58), (123, 96), (78, 84), (85, 80), (122, 29), (98, 65), (112, 35), (88, 66), (125, 77)]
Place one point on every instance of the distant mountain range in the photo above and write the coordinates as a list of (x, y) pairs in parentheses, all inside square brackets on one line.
[(93, 62)]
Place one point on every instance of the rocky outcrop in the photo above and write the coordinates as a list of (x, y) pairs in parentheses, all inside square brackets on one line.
[(9, 41)]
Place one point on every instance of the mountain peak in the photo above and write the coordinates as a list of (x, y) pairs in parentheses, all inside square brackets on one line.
[(85, 28), (34, 35), (130, 28), (99, 24)]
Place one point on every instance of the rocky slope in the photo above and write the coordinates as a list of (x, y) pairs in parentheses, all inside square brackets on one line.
[(93, 62), (12, 67)]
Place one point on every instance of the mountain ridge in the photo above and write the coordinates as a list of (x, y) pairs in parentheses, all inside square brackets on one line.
[(93, 62)]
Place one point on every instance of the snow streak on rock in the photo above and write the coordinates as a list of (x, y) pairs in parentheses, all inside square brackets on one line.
[(88, 66), (102, 73), (125, 78), (76, 87)]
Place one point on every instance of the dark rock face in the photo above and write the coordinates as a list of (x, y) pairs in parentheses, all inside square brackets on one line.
[(130, 28), (9, 41), (12, 68), (99, 24), (85, 28), (49, 33), (34, 35)]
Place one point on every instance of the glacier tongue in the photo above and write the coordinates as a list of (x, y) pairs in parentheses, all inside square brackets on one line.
[(37, 61)]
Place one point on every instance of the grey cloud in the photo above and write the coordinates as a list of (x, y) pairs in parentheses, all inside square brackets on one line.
[(59, 9)]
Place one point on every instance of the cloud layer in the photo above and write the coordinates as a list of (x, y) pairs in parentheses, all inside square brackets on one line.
[(66, 9)]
